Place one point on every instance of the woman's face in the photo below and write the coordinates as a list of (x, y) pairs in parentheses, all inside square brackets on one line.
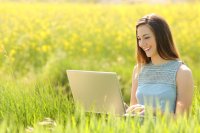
[(146, 40)]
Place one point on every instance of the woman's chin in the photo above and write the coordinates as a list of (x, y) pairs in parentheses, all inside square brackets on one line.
[(148, 55)]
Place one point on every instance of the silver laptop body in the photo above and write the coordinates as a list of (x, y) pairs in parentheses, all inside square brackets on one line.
[(97, 92)]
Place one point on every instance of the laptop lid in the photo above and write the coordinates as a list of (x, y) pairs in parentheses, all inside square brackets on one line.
[(97, 92)]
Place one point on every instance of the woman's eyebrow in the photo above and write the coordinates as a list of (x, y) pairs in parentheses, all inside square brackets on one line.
[(142, 35), (145, 34)]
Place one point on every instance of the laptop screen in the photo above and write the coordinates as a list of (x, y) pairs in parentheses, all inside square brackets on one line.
[(97, 92)]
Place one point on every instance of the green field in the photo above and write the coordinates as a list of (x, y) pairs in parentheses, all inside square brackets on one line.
[(39, 41)]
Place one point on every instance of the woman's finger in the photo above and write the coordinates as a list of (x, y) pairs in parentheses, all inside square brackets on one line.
[(133, 107), (138, 109)]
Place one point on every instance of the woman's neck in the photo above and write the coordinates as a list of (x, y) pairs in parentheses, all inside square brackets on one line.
[(157, 60)]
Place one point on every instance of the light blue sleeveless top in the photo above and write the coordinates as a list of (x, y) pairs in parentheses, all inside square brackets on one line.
[(157, 85)]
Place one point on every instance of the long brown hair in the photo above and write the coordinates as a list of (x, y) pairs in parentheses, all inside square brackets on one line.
[(164, 41)]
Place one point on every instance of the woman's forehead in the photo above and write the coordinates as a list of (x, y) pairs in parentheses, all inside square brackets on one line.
[(143, 30)]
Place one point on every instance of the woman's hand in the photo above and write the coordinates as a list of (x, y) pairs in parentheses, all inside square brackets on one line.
[(136, 109)]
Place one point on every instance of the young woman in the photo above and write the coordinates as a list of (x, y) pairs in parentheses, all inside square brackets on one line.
[(160, 79)]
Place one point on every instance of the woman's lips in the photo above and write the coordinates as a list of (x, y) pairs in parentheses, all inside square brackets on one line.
[(146, 49)]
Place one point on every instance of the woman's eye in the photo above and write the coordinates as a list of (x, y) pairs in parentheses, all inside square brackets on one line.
[(146, 37)]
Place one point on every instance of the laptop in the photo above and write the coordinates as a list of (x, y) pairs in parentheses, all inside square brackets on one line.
[(97, 92)]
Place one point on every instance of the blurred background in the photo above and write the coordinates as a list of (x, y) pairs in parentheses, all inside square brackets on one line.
[(106, 1)]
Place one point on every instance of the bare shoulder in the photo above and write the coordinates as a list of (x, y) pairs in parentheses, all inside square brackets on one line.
[(184, 71), (135, 71), (135, 68), (184, 74)]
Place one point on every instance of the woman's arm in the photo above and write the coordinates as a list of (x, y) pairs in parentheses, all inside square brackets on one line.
[(133, 99), (185, 90)]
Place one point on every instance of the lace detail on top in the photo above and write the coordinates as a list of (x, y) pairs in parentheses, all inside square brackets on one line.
[(165, 73)]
